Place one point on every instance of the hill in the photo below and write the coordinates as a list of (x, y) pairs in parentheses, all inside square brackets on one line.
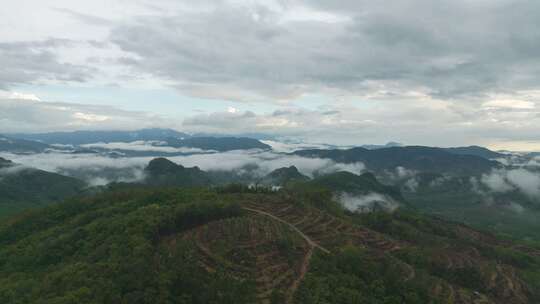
[(163, 172), (356, 184), (283, 176), (513, 213), (22, 187), (4, 163), (14, 145), (476, 151), (418, 158), (223, 246)]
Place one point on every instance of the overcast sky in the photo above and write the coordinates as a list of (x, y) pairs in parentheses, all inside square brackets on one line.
[(425, 72)]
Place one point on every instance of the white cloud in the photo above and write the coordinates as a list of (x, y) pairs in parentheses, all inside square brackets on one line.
[(90, 117), (496, 181), (151, 146), (367, 202), (19, 96), (265, 162), (18, 115), (505, 180), (509, 103), (526, 181)]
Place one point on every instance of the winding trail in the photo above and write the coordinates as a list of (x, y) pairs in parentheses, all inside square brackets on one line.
[(303, 270), (289, 297), (305, 237)]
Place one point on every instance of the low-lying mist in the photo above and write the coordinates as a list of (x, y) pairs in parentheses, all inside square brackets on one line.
[(367, 202), (100, 169)]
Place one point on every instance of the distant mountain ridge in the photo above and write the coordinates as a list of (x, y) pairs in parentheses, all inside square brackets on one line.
[(89, 137), (221, 144), (476, 151), (418, 158), (17, 145), (387, 145)]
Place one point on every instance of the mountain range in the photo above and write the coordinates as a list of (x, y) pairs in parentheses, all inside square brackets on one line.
[(418, 158), (89, 137)]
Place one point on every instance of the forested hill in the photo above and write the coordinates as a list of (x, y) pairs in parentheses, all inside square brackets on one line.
[(239, 245), (24, 187), (418, 158)]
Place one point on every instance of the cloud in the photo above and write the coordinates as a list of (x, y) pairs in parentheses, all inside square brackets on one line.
[(522, 179), (285, 49), (509, 104), (91, 166), (12, 170), (288, 147), (20, 115), (405, 177), (528, 182), (515, 207), (497, 182), (367, 203), (150, 146), (350, 70), (35, 61)]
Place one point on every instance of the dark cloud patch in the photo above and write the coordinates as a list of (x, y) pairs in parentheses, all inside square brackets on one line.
[(33, 61)]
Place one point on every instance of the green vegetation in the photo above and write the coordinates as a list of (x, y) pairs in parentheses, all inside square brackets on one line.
[(107, 250), (163, 172), (358, 275), (283, 176), (22, 188), (236, 244), (354, 184), (455, 199)]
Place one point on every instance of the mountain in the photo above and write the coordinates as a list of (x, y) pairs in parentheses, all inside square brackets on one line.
[(4, 163), (476, 151), (221, 144), (22, 187), (258, 136), (418, 158), (387, 145), (245, 246), (163, 172), (15, 145), (282, 176), (89, 137)]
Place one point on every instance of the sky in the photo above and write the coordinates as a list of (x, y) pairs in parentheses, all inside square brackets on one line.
[(440, 73)]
